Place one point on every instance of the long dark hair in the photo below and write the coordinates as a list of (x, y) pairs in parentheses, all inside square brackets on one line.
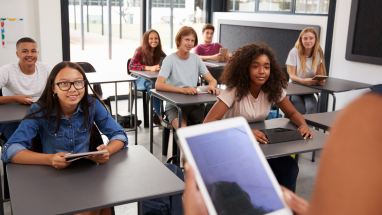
[(48, 102), (236, 72), (151, 58)]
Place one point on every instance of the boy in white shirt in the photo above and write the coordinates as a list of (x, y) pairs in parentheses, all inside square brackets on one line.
[(22, 82)]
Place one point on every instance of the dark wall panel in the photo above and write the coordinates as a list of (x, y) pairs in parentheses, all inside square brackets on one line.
[(279, 36)]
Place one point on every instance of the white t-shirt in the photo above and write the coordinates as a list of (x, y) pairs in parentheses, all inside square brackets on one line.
[(14, 82), (182, 72), (251, 108), (294, 60)]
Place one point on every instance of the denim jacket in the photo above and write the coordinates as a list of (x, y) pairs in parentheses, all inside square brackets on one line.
[(72, 136)]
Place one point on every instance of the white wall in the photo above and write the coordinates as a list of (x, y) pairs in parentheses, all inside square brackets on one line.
[(342, 68), (42, 22)]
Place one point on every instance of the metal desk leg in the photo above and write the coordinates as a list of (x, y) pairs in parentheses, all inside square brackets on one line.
[(151, 122), (136, 112), (116, 101), (139, 207), (174, 146), (334, 101)]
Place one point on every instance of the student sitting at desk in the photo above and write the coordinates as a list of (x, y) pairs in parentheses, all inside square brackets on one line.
[(254, 83), (63, 118), (22, 82), (209, 50), (349, 179), (148, 57), (180, 72), (305, 61)]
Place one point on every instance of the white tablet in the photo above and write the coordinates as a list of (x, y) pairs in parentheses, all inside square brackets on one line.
[(320, 77), (202, 89), (231, 170), (73, 157)]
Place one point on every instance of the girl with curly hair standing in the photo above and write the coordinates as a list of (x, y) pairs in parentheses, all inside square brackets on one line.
[(254, 83)]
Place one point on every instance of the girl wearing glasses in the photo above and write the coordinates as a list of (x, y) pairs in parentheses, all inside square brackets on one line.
[(62, 119)]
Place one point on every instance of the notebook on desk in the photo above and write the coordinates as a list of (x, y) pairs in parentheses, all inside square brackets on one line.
[(278, 135)]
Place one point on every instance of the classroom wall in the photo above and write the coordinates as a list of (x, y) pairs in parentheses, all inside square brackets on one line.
[(342, 68), (339, 66), (42, 22), (275, 18)]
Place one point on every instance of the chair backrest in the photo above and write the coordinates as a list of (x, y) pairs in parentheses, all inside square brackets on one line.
[(127, 66), (88, 68)]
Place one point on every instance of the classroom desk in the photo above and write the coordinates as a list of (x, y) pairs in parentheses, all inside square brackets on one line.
[(321, 120), (179, 101), (13, 112), (337, 85), (94, 78), (291, 147), (152, 77), (214, 64), (130, 175), (296, 89)]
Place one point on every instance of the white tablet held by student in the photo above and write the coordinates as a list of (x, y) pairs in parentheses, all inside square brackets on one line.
[(320, 77), (231, 170)]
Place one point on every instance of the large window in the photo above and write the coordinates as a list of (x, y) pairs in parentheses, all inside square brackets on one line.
[(241, 5), (275, 5), (312, 6), (105, 33), (281, 6), (167, 16), (167, 3)]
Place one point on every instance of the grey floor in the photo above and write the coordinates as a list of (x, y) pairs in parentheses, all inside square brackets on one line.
[(305, 181)]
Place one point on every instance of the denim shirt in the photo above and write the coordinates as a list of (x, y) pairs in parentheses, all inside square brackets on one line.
[(72, 136)]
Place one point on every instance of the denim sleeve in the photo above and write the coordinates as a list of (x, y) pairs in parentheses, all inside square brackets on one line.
[(21, 139), (107, 125)]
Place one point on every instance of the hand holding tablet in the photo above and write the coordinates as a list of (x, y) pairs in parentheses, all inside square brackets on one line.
[(72, 157), (226, 158), (320, 77)]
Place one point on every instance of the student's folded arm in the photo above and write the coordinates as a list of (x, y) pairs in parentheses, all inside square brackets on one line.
[(27, 156), (17, 149), (217, 111), (210, 79), (21, 99), (161, 85), (209, 57)]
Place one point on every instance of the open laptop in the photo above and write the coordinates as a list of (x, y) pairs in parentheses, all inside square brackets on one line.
[(278, 135)]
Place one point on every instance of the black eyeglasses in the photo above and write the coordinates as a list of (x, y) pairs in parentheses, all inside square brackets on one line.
[(66, 85)]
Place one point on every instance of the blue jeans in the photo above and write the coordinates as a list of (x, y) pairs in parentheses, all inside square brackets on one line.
[(305, 103), (143, 84), (7, 129)]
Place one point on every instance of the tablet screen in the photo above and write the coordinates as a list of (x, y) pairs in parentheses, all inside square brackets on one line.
[(233, 173)]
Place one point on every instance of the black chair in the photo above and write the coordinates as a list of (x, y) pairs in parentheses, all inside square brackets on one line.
[(88, 68), (145, 99)]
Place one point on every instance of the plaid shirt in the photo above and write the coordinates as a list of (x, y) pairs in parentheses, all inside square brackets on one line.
[(136, 62)]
